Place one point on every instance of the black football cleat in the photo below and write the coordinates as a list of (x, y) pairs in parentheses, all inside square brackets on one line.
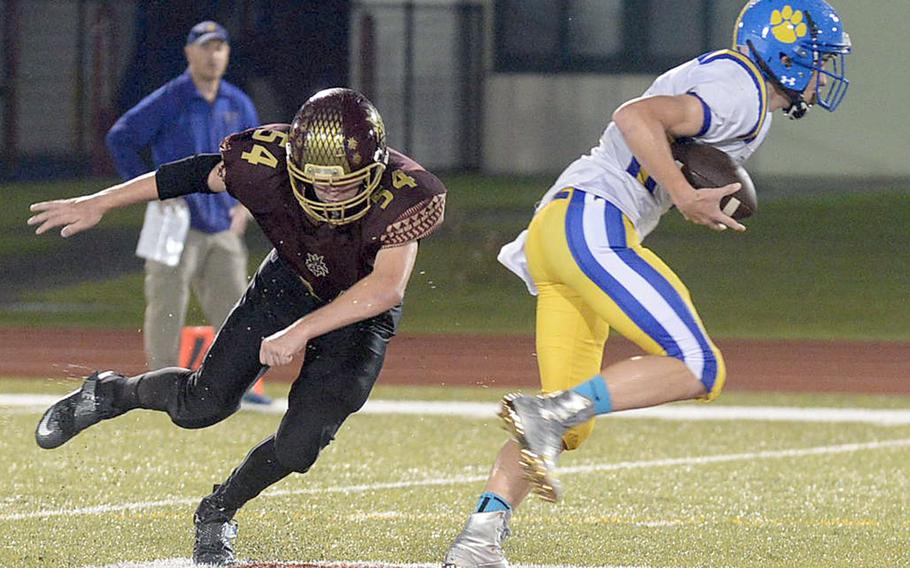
[(77, 411), (215, 535)]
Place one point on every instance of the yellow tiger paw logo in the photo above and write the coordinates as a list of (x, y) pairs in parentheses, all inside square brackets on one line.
[(788, 25)]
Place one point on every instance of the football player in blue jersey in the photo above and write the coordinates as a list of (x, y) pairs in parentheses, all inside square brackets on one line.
[(582, 254)]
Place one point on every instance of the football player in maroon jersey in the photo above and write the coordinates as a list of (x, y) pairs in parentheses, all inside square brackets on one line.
[(345, 214)]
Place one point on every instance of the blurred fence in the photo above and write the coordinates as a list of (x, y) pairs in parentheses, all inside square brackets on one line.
[(70, 67), (502, 86), (60, 64), (422, 65)]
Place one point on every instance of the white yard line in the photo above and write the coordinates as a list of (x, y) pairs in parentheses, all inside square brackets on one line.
[(487, 410), (24, 402), (457, 480), (187, 563)]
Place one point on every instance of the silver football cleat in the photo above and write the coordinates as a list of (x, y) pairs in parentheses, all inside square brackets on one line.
[(538, 424), (216, 532), (215, 544), (480, 543)]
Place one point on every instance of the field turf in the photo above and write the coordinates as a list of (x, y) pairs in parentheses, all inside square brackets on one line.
[(396, 489)]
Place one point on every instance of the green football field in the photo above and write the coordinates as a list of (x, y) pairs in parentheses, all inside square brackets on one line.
[(754, 480), (750, 481)]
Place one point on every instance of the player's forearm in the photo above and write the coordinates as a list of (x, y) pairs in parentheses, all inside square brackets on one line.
[(367, 298), (77, 214), (137, 190), (646, 136)]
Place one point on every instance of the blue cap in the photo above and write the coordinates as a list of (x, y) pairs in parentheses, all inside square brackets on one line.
[(207, 31)]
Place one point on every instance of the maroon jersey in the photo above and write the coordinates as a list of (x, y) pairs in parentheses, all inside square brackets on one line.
[(408, 204)]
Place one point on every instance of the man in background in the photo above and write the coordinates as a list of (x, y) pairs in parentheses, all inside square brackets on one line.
[(195, 241)]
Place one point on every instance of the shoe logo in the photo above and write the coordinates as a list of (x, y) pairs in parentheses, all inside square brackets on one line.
[(43, 430), (788, 25)]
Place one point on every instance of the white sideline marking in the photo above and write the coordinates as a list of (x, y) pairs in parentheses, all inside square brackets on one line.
[(686, 461), (187, 563), (487, 410)]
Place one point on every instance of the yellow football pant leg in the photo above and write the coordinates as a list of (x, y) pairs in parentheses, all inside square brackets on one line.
[(570, 335), (574, 314), (570, 344), (674, 280)]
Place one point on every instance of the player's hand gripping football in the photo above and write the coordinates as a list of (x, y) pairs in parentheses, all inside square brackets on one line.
[(74, 215), (281, 347), (703, 207)]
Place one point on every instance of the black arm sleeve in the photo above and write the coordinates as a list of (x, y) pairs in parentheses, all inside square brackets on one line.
[(186, 176)]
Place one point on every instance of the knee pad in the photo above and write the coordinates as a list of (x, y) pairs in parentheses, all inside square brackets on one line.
[(202, 411), (297, 461), (194, 421), (713, 381), (715, 389), (300, 452), (576, 435), (189, 405)]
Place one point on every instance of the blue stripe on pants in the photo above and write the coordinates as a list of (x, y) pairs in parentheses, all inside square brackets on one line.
[(611, 287)]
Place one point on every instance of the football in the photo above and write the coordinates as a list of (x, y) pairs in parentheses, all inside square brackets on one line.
[(706, 166)]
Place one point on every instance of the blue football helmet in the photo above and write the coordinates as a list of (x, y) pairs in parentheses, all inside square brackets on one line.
[(789, 40)]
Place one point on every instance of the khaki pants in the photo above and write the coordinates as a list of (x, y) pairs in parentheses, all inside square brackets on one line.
[(215, 266)]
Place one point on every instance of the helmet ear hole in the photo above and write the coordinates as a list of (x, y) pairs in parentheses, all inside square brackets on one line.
[(786, 61)]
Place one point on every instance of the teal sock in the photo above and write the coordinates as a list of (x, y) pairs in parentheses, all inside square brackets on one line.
[(596, 391), (490, 502)]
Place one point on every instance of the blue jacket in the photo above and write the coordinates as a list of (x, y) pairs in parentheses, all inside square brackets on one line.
[(176, 122)]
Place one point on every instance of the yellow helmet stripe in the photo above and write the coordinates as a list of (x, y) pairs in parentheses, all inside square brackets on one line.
[(739, 20)]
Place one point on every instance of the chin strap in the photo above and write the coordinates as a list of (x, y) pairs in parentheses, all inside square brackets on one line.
[(797, 109), (798, 105)]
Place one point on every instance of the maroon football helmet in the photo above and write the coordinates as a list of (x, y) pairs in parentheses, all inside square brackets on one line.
[(337, 139)]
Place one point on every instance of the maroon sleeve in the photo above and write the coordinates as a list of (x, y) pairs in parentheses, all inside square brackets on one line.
[(416, 222), (413, 201)]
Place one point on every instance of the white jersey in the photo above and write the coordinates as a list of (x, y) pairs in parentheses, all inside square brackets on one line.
[(735, 100)]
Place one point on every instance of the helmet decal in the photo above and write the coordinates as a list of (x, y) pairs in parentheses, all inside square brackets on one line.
[(356, 158), (787, 25), (792, 42)]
